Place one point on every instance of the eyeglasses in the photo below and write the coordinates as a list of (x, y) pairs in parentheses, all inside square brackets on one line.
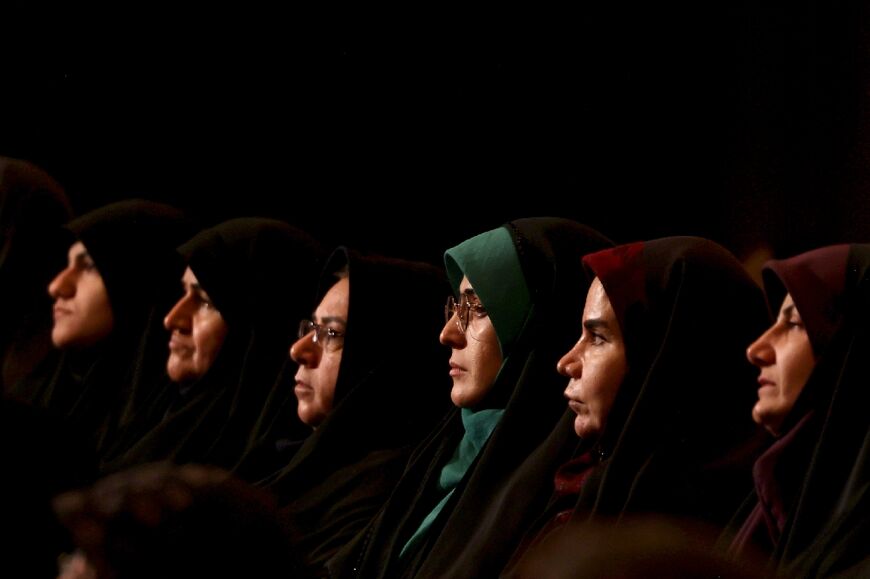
[(328, 338), (461, 309)]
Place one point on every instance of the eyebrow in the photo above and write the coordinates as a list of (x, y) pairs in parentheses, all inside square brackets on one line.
[(82, 257), (194, 286), (328, 319), (469, 291), (788, 310), (595, 324)]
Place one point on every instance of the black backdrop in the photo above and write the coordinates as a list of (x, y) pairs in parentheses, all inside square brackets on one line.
[(746, 122)]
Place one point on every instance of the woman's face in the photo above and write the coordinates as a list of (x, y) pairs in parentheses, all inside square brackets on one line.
[(785, 357), (82, 312), (476, 357), (319, 360), (596, 365), (197, 332)]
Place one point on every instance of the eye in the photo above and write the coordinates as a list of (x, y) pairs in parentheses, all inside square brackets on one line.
[(87, 264), (792, 321), (333, 333), (204, 302), (596, 339), (477, 309)]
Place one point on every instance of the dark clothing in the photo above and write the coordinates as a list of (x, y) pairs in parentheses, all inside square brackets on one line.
[(260, 274), (530, 392), (132, 245), (33, 206), (776, 489), (817, 496), (671, 440), (392, 389)]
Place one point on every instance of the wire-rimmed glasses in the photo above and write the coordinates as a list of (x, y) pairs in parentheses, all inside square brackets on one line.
[(462, 309), (326, 337)]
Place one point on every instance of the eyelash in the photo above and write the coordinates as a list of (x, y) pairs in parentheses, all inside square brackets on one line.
[(596, 339), (205, 303)]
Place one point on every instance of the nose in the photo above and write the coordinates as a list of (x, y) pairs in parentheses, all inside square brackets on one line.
[(305, 352), (63, 284), (451, 335), (761, 352), (570, 364), (180, 316)]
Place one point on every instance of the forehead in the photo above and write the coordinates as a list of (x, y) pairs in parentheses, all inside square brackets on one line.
[(335, 301), (189, 277), (76, 249), (597, 302), (787, 301)]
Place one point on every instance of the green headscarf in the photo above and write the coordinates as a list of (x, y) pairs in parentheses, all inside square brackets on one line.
[(492, 266)]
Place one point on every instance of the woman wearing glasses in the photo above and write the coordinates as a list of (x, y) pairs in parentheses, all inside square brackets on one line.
[(371, 382), (245, 285), (517, 289)]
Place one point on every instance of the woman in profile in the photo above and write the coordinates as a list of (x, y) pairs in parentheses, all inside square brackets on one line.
[(370, 384), (33, 207), (809, 511), (656, 420), (246, 285), (515, 290), (120, 269)]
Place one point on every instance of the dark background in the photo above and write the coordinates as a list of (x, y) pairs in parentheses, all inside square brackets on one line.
[(746, 122)]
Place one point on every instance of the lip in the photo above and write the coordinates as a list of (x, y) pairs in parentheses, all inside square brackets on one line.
[(302, 389), (59, 312), (175, 343), (762, 382), (575, 405), (456, 369)]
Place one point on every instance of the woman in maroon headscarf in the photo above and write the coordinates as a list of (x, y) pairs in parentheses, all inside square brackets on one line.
[(809, 506), (657, 392)]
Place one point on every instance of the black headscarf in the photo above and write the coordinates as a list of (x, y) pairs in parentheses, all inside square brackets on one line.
[(132, 245), (529, 390), (392, 388), (676, 438), (259, 274), (33, 206), (821, 463)]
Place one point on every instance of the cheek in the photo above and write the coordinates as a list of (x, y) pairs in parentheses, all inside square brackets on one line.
[(606, 379), (94, 320), (208, 335), (801, 367), (486, 358), (325, 387)]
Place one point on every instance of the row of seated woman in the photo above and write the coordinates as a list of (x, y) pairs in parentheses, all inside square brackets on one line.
[(577, 385)]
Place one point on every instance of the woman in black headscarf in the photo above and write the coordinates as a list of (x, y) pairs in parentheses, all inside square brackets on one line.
[(247, 284), (519, 292), (655, 391), (121, 268), (809, 511), (371, 383), (33, 206)]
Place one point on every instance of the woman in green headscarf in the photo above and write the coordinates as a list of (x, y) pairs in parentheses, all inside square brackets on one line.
[(513, 288)]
